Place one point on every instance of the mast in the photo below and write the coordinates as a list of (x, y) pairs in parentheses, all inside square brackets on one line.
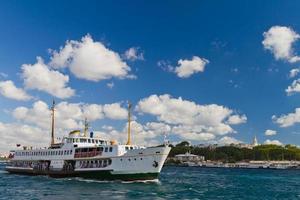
[(129, 121), (86, 127), (52, 127)]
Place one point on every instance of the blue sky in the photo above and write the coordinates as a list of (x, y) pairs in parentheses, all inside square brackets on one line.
[(241, 73)]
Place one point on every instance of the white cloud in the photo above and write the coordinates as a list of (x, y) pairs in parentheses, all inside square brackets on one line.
[(133, 54), (274, 142), (90, 60), (110, 85), (294, 88), (9, 90), (186, 68), (288, 120), (115, 111), (148, 135), (13, 133), (294, 72), (228, 140), (188, 119), (270, 132), (237, 119), (38, 76), (92, 111), (165, 65), (68, 115), (279, 40)]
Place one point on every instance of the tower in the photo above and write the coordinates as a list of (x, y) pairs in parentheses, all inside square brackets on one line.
[(254, 143)]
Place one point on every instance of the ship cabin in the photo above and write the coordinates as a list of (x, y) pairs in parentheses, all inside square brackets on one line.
[(75, 146)]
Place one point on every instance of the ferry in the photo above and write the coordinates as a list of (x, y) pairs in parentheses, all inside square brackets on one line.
[(82, 155)]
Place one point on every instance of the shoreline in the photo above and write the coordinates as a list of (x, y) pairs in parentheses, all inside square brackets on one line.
[(283, 165)]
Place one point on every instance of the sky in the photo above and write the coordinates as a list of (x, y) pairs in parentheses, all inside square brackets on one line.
[(202, 71)]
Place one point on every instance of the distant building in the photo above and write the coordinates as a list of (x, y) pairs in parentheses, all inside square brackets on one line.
[(188, 157), (254, 143), (248, 146)]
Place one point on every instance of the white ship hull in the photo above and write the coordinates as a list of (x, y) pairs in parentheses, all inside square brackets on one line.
[(135, 164)]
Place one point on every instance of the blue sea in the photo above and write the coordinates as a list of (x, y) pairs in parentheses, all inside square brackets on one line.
[(174, 183)]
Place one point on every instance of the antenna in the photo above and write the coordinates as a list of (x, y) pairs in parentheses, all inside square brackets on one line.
[(129, 121), (86, 127), (52, 127)]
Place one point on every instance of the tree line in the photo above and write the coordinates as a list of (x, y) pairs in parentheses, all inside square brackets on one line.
[(234, 154)]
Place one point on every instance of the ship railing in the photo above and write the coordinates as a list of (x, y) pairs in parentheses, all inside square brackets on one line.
[(87, 154)]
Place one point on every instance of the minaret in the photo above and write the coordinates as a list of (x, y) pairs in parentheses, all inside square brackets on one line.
[(129, 121), (52, 127), (254, 143)]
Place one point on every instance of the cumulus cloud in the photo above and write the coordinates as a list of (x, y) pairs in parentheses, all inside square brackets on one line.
[(9, 90), (288, 120), (133, 54), (279, 40), (148, 134), (38, 76), (237, 119), (274, 142), (186, 67), (294, 72), (14, 133), (228, 140), (270, 132), (188, 119), (90, 60), (115, 111), (68, 115), (293, 88)]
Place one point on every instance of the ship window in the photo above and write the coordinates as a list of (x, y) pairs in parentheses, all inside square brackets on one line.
[(110, 149), (77, 139), (97, 141), (129, 159), (106, 149), (109, 161), (81, 140), (89, 140), (93, 141), (126, 148), (101, 148), (141, 158), (65, 152), (131, 147), (121, 159), (134, 158), (71, 152)]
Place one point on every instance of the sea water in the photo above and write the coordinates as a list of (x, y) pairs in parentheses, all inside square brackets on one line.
[(174, 183)]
